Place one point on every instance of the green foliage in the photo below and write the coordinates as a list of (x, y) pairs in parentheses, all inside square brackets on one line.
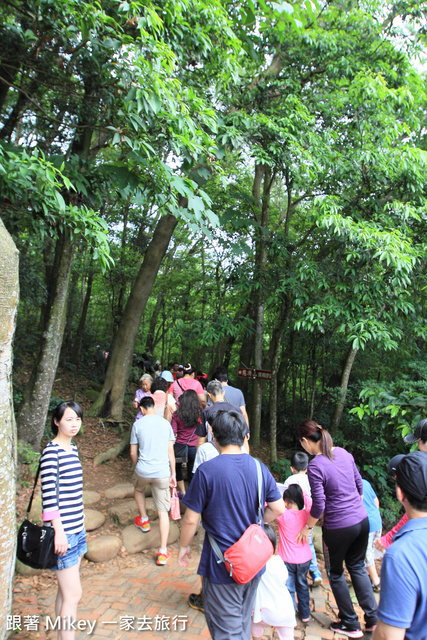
[(388, 412), (30, 180), (373, 444), (281, 468), (27, 456), (399, 405), (121, 112)]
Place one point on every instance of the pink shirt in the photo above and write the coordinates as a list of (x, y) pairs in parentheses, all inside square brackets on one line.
[(184, 384), (387, 538), (290, 524)]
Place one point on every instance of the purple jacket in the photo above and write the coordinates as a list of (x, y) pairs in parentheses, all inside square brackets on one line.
[(336, 490)]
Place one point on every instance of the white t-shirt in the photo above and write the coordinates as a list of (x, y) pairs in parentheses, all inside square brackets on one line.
[(152, 434), (273, 602), (301, 479), (205, 452)]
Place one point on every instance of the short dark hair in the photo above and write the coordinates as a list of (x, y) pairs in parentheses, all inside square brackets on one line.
[(271, 534), (228, 427), (299, 461), (147, 402), (220, 374), (419, 505), (59, 411), (294, 494), (159, 384)]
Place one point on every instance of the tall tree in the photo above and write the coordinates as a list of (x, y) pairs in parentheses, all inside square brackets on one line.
[(9, 293)]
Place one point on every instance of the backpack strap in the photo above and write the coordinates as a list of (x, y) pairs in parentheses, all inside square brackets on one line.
[(35, 484)]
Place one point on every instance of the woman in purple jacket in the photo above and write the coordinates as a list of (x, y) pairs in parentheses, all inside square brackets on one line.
[(336, 491)]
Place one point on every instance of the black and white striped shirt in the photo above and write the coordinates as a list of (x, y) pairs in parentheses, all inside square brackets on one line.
[(70, 487)]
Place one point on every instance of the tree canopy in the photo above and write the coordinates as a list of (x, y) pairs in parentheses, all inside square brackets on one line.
[(220, 183)]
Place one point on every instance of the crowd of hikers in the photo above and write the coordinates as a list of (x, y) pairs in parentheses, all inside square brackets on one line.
[(186, 425)]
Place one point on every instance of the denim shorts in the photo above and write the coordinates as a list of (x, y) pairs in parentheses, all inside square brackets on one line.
[(77, 547)]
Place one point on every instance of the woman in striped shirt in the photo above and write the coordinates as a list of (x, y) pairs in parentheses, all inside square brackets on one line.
[(62, 494)]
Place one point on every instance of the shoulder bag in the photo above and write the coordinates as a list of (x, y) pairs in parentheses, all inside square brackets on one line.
[(36, 544), (181, 450), (246, 557)]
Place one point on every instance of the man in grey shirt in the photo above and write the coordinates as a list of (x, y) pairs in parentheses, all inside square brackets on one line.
[(233, 395), (151, 451)]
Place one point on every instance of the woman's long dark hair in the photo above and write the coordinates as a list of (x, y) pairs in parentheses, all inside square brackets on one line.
[(189, 408), (315, 432), (59, 411)]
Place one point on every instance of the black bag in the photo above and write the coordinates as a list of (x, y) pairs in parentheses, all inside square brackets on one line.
[(36, 544), (181, 452)]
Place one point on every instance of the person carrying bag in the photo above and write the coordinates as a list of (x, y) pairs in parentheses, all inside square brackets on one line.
[(36, 544), (184, 424), (246, 557)]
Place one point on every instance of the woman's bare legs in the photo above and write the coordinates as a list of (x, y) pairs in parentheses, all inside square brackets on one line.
[(67, 599)]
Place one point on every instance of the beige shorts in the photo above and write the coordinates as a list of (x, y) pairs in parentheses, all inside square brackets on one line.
[(160, 491)]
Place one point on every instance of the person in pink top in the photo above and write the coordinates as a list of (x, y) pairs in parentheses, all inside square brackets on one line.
[(296, 555), (187, 382)]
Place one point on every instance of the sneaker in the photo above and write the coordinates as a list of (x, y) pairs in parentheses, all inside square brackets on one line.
[(345, 630), (370, 628), (162, 558), (317, 579), (144, 526), (195, 601), (305, 620)]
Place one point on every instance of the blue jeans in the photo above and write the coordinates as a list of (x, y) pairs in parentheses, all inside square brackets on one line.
[(297, 582), (314, 567)]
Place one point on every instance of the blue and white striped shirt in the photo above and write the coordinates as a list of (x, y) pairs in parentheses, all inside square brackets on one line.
[(70, 487)]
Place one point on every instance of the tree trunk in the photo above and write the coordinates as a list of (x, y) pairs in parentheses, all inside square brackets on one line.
[(80, 330), (110, 400), (9, 293), (72, 307), (261, 173), (276, 345), (245, 360), (150, 342), (33, 411), (225, 345), (339, 407), (122, 292), (314, 370)]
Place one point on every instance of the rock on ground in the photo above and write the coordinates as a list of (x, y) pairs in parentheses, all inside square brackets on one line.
[(103, 548), (91, 497), (135, 540), (93, 519), (126, 510)]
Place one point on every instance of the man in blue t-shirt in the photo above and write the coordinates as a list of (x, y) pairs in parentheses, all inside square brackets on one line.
[(402, 612), (224, 491)]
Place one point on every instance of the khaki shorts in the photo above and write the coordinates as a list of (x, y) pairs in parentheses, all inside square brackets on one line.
[(159, 490)]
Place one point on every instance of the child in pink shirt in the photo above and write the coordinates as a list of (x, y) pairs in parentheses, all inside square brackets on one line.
[(296, 556)]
